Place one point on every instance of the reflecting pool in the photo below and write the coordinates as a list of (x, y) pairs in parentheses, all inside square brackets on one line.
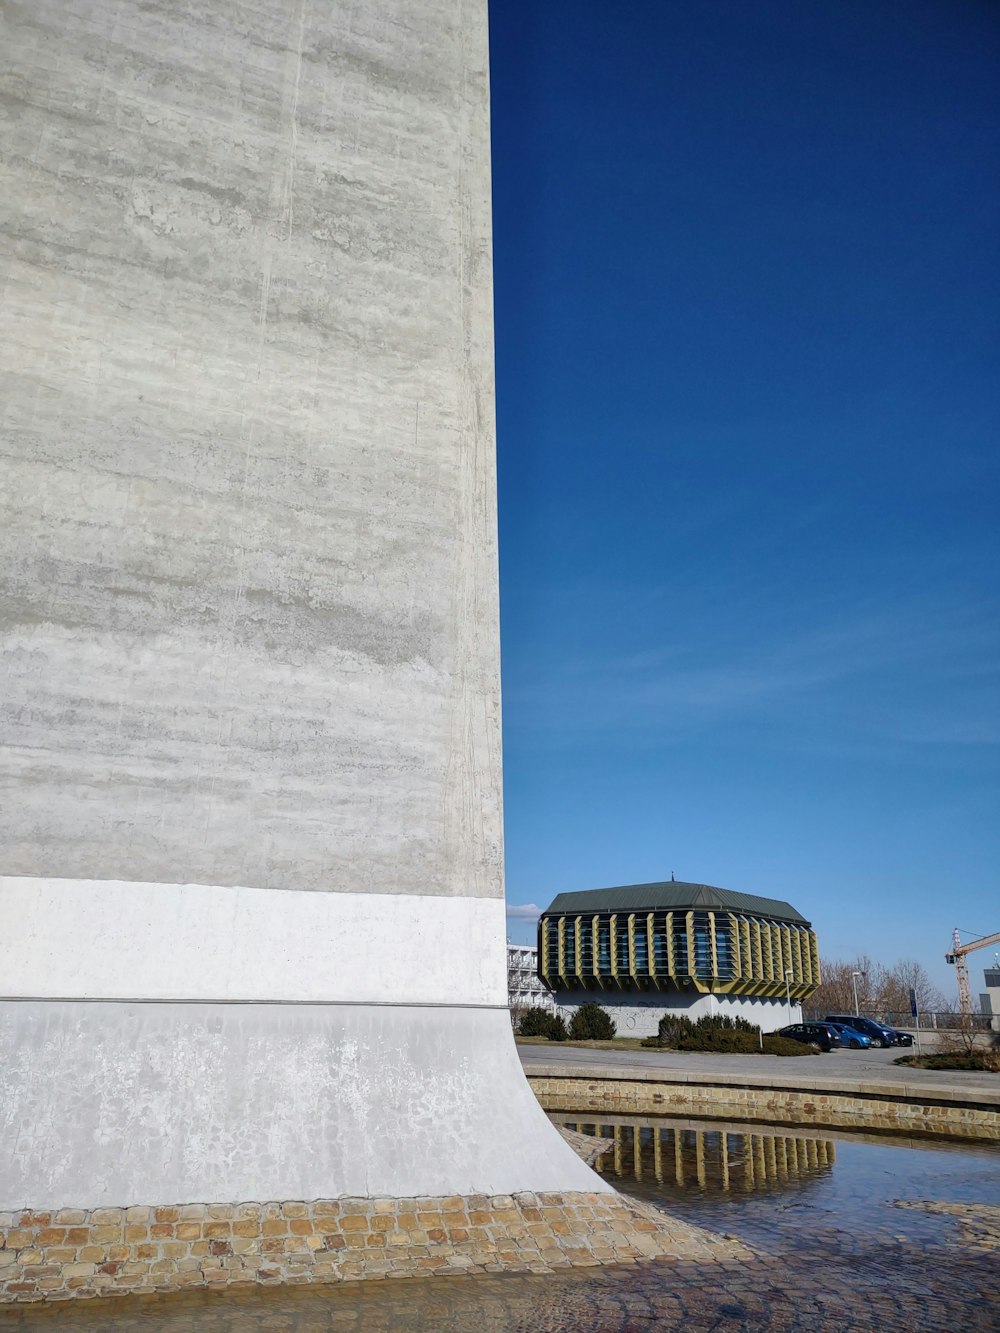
[(824, 1192), (853, 1234)]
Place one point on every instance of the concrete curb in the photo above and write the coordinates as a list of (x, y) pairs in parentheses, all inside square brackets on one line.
[(937, 1094), (970, 1114)]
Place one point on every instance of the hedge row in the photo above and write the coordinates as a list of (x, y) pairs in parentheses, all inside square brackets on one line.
[(718, 1032)]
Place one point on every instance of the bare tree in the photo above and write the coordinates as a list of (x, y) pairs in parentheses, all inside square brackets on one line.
[(835, 994), (842, 981), (897, 982), (880, 989)]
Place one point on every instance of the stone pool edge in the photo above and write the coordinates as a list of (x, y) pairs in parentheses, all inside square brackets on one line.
[(970, 1114), (72, 1253)]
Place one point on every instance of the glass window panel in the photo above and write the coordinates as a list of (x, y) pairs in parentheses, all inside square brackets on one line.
[(587, 946), (725, 947), (621, 944), (569, 935), (681, 963), (604, 946), (702, 946), (641, 948), (660, 954)]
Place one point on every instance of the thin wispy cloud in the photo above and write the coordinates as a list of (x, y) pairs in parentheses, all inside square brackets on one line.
[(919, 667), (524, 911)]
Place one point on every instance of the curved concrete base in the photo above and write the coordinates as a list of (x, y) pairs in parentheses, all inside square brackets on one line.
[(112, 1103)]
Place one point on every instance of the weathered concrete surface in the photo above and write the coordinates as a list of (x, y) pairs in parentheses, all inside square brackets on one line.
[(247, 537), (249, 611), (189, 1103)]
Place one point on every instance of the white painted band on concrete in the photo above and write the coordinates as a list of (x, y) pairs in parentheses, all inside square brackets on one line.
[(98, 939)]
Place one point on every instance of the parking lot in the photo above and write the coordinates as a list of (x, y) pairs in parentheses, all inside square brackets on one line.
[(875, 1065)]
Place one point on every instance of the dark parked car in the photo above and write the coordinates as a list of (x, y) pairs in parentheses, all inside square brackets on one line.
[(902, 1038), (879, 1033), (822, 1035)]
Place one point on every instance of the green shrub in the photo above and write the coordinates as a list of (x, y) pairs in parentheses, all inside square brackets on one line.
[(712, 1032), (723, 1035), (592, 1023), (985, 1061), (672, 1029), (726, 1024), (535, 1022), (721, 1039)]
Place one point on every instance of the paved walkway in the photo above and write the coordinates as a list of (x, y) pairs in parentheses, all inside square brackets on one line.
[(888, 1287), (871, 1071)]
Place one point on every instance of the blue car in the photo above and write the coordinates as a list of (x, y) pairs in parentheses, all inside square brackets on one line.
[(878, 1032), (857, 1041)]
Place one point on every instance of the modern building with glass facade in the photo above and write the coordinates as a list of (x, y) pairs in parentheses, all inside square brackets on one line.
[(643, 950)]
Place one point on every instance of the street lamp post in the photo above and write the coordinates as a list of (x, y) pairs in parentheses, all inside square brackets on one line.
[(854, 983), (788, 992)]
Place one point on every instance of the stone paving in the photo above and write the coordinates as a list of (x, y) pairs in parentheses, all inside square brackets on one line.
[(941, 1291), (72, 1254)]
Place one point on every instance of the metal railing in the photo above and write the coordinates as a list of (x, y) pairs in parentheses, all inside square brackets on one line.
[(947, 1020)]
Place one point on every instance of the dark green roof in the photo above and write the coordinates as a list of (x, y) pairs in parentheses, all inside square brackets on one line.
[(672, 896)]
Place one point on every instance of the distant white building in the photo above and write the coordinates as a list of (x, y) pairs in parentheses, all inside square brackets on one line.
[(524, 986), (989, 1000)]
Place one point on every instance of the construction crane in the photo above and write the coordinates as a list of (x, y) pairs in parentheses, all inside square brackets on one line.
[(957, 956)]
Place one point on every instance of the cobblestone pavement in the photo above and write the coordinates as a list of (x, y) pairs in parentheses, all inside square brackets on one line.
[(937, 1291)]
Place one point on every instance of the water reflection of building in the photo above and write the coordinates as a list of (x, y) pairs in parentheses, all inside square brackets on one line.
[(648, 949), (713, 1160)]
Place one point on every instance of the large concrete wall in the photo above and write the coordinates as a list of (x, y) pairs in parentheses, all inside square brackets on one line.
[(250, 825), (247, 539)]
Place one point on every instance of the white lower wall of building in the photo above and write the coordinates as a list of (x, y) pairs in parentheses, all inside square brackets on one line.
[(639, 1016), (164, 1044), (110, 1104)]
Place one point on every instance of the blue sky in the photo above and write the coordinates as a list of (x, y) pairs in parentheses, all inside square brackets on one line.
[(747, 306)]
